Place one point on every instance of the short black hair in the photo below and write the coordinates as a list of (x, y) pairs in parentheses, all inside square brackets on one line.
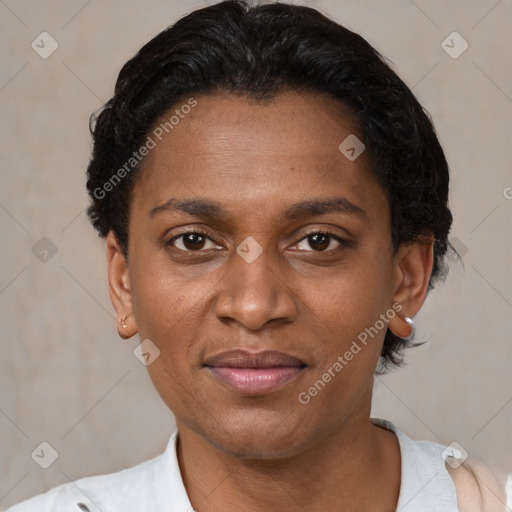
[(258, 51)]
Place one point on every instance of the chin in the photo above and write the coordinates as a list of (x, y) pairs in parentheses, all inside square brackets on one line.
[(259, 435)]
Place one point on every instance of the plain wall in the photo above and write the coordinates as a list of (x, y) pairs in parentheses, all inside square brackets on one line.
[(66, 377)]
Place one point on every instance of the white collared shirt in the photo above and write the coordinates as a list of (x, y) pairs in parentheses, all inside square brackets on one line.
[(156, 485)]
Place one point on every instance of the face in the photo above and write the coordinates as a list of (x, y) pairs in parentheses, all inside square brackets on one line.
[(249, 229)]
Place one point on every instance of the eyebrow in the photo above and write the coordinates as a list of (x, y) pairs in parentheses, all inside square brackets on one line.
[(209, 209)]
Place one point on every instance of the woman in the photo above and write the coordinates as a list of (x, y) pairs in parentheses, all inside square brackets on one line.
[(275, 206)]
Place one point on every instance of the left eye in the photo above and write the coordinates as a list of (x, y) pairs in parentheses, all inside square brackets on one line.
[(320, 242)]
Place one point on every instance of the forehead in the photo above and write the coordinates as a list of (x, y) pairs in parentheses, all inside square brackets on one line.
[(239, 150), (307, 122)]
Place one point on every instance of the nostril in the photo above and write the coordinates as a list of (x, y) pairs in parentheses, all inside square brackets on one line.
[(83, 507)]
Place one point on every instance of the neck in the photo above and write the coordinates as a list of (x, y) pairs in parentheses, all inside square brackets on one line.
[(356, 467)]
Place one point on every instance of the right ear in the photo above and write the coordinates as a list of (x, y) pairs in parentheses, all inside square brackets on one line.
[(120, 288)]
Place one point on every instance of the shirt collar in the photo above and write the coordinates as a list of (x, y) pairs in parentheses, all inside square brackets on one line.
[(170, 491), (425, 482)]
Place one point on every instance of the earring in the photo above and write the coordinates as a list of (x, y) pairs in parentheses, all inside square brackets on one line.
[(410, 322), (124, 325)]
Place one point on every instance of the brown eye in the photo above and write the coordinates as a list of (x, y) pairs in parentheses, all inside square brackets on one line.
[(321, 242), (192, 241)]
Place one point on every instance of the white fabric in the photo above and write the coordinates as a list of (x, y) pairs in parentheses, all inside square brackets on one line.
[(426, 485), (156, 485)]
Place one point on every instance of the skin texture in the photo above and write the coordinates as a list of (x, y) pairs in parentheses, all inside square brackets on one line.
[(301, 297)]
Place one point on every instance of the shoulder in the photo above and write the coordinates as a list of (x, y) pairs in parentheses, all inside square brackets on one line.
[(115, 491), (444, 479), (479, 488)]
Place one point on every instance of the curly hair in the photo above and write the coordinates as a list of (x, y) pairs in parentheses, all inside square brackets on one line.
[(259, 51)]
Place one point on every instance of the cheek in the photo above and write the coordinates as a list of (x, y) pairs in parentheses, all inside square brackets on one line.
[(353, 298), (167, 318), (171, 310), (162, 298), (168, 313), (344, 316), (347, 308)]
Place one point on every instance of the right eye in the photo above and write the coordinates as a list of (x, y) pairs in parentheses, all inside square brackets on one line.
[(191, 241)]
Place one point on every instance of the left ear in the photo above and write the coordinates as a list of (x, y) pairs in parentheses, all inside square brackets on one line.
[(413, 264)]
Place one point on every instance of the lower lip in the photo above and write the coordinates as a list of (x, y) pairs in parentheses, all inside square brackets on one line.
[(255, 381)]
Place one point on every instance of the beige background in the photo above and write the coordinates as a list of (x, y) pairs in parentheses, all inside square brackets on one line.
[(65, 376)]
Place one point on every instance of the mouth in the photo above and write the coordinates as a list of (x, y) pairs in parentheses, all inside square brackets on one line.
[(254, 373)]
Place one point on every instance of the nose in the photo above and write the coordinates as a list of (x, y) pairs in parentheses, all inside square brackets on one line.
[(255, 293)]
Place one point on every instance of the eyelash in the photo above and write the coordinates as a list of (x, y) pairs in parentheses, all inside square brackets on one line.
[(192, 232), (343, 242)]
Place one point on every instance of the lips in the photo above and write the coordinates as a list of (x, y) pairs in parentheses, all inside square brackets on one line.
[(254, 373), (243, 359)]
